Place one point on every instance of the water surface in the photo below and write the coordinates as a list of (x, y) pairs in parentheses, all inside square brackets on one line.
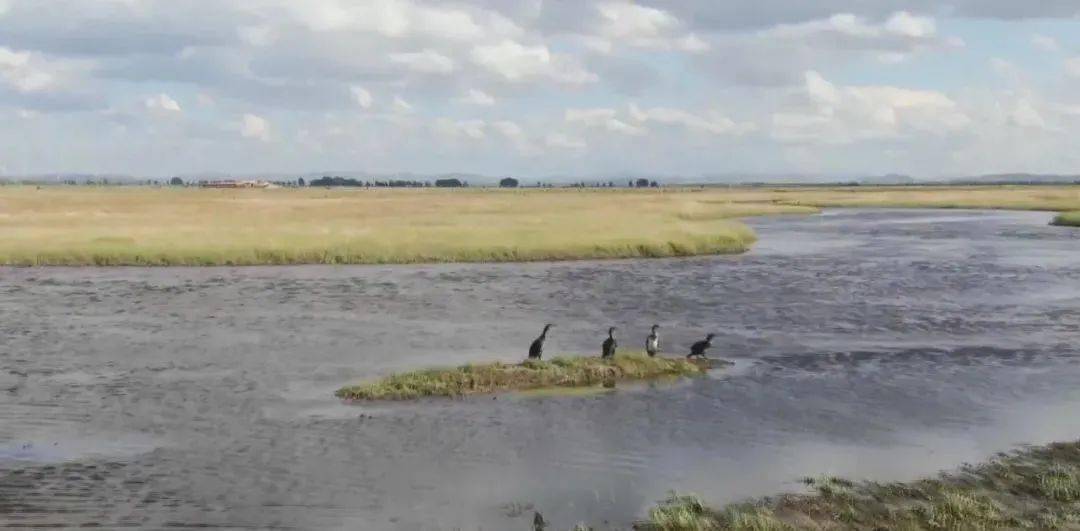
[(869, 343)]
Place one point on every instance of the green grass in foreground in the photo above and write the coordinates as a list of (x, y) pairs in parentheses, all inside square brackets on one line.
[(1036, 488), (1071, 219), (495, 377)]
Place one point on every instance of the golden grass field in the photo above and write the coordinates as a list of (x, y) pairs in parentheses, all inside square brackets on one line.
[(89, 225)]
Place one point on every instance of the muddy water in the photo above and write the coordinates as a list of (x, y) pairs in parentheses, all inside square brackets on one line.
[(880, 344)]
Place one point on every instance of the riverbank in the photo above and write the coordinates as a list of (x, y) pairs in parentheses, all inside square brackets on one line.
[(146, 226), (1035, 488), (1068, 219), (501, 377)]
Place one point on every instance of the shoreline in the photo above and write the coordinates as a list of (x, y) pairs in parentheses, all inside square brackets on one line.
[(1032, 487)]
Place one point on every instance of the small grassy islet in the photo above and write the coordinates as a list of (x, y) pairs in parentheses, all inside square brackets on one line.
[(1068, 219), (472, 379), (1034, 488)]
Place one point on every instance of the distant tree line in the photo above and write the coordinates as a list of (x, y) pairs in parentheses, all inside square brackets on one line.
[(348, 181)]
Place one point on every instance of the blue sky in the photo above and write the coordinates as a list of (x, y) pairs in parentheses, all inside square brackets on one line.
[(539, 87)]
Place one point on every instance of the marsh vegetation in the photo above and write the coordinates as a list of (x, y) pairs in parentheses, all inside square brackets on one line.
[(495, 377), (1068, 219), (1035, 488), (65, 225)]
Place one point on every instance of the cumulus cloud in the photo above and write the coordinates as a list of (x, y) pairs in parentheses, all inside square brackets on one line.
[(162, 102), (604, 119), (516, 62), (708, 122), (627, 23), (547, 77), (402, 106), (426, 62), (477, 97), (845, 114), (361, 96), (255, 127)]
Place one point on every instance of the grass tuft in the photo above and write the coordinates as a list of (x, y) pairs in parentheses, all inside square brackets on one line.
[(1067, 219), (496, 377), (1035, 488)]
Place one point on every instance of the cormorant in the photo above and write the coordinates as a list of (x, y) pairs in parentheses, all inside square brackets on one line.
[(652, 343), (609, 344), (698, 349), (536, 350)]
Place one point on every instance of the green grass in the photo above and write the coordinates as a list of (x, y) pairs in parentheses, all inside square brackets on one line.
[(499, 377), (1069, 219), (1035, 488)]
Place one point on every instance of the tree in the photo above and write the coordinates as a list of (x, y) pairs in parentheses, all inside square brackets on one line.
[(300, 182), (448, 183), (654, 184), (508, 182), (176, 181), (642, 183)]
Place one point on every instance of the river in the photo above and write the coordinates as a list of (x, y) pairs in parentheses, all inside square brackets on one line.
[(881, 344)]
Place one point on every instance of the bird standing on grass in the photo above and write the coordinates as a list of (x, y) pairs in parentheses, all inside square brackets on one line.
[(536, 350), (698, 349), (652, 343), (609, 344)]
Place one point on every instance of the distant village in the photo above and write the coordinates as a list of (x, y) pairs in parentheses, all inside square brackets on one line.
[(328, 181)]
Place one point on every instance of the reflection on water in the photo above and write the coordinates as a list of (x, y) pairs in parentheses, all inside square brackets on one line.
[(880, 344)]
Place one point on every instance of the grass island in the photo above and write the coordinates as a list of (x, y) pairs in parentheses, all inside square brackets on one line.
[(560, 372)]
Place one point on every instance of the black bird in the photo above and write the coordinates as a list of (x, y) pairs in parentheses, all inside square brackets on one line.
[(609, 344), (698, 349), (536, 350), (652, 343)]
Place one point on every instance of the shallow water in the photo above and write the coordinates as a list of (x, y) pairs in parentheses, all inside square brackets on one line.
[(869, 343)]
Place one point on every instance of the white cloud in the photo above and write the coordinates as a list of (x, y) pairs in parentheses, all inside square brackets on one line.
[(162, 102), (642, 26), (426, 62), (602, 118), (361, 96), (1044, 43), (25, 73), (708, 122), (516, 62), (508, 128), (900, 31), (1024, 114), (255, 127), (400, 19), (908, 25), (477, 97), (845, 114), (402, 106)]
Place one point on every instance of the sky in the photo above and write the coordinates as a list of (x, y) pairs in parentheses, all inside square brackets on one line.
[(155, 88)]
